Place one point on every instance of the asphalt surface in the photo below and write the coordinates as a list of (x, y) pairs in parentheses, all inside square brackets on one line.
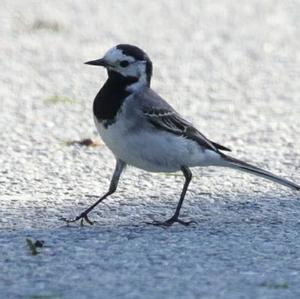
[(232, 67)]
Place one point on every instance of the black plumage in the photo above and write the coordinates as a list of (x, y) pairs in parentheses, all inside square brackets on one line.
[(111, 97)]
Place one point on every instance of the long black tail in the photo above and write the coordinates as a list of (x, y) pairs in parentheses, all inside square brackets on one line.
[(240, 165)]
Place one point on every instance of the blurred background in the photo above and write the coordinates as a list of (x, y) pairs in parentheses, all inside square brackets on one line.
[(232, 67)]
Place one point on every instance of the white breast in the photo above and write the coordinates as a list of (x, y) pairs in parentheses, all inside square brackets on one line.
[(155, 151)]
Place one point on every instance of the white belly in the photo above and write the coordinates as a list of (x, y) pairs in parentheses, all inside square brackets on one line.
[(163, 152)]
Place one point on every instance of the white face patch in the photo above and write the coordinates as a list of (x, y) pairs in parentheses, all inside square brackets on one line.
[(135, 68), (116, 55)]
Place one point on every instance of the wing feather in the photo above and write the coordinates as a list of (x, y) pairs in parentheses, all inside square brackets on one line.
[(168, 120)]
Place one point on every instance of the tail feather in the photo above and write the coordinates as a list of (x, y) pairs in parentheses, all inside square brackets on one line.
[(238, 164)]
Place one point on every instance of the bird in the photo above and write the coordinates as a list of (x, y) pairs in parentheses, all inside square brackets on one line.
[(142, 130)]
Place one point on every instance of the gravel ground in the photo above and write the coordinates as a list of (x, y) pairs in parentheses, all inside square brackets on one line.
[(230, 66)]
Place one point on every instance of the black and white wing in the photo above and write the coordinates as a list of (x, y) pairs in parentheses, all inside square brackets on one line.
[(169, 120), (162, 116)]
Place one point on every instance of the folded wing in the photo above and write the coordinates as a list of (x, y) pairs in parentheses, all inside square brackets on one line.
[(169, 120)]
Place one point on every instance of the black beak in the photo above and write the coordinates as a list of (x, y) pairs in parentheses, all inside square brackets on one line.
[(99, 62)]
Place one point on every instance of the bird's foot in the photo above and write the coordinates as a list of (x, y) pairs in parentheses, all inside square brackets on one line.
[(82, 217), (170, 222)]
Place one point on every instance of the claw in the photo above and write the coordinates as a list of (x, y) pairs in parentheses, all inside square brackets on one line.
[(170, 222), (81, 222), (186, 223), (65, 220), (85, 217), (82, 217)]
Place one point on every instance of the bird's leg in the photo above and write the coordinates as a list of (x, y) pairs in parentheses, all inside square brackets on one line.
[(188, 177), (112, 188)]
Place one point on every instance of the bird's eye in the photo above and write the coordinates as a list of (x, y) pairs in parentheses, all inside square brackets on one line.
[(124, 63)]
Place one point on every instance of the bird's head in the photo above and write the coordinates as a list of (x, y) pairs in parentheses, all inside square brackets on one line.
[(128, 61)]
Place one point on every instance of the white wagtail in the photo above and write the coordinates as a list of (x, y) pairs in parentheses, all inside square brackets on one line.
[(143, 130)]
